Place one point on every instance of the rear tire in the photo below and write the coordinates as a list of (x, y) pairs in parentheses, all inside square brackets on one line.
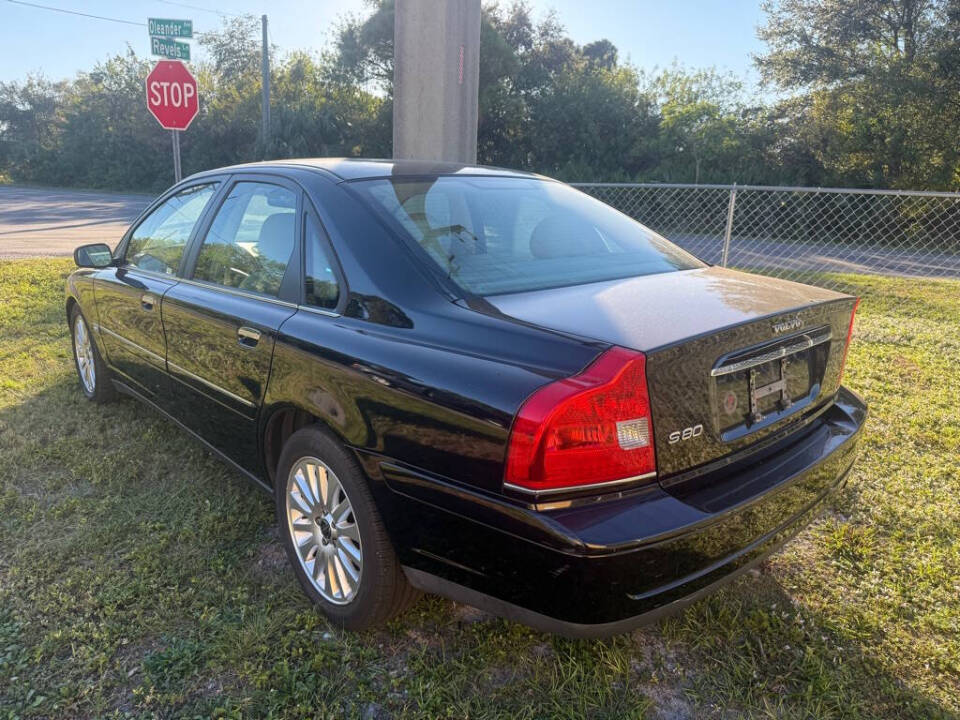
[(92, 371), (333, 534)]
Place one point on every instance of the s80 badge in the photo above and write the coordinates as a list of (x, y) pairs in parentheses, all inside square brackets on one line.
[(688, 433)]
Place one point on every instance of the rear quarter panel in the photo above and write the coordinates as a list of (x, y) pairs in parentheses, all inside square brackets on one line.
[(442, 408)]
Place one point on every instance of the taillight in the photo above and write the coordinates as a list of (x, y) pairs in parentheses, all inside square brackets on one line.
[(846, 348), (591, 428)]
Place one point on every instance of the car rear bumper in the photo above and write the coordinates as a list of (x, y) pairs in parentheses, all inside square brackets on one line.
[(607, 565)]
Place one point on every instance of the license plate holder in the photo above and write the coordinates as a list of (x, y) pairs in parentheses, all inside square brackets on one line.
[(756, 387), (758, 392)]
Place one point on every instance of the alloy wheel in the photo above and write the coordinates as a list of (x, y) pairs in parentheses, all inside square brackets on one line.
[(324, 530), (84, 351)]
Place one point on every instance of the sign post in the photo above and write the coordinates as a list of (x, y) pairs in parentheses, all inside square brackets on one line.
[(172, 100), (171, 89), (177, 175)]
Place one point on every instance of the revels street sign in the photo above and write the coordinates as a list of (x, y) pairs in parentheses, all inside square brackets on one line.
[(172, 95), (169, 48), (164, 27)]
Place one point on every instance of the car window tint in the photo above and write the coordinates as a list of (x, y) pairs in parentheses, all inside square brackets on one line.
[(320, 282), (251, 239), (157, 243), (493, 235)]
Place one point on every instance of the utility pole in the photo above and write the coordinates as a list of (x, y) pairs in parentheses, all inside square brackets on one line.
[(265, 71), (436, 71)]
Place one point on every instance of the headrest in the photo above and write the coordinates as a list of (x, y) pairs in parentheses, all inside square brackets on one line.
[(565, 236), (277, 237)]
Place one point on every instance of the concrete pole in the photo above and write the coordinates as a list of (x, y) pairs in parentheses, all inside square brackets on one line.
[(436, 71)]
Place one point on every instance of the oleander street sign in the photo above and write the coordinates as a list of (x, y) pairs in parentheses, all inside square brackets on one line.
[(166, 28), (167, 48)]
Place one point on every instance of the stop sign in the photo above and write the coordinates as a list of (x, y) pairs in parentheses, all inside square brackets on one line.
[(172, 95)]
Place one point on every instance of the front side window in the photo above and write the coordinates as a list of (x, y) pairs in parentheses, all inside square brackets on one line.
[(493, 235), (321, 288), (158, 242), (250, 241)]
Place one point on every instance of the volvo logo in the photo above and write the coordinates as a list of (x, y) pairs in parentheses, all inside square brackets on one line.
[(787, 324)]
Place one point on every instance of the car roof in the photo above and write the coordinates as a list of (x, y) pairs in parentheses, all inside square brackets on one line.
[(367, 168)]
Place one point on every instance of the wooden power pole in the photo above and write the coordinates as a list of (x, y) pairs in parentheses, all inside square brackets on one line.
[(265, 71), (436, 71)]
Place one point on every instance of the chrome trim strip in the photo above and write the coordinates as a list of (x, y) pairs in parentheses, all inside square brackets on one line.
[(234, 291), (172, 279), (209, 384), (805, 343), (577, 488), (318, 311), (159, 358)]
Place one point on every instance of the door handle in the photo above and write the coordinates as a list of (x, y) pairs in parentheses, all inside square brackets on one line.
[(248, 336), (147, 301)]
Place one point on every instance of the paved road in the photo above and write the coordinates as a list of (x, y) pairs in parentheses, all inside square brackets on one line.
[(37, 222)]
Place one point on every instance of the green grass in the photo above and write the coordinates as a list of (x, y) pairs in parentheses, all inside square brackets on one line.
[(141, 577)]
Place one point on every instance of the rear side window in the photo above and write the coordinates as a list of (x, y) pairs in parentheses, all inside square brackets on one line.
[(158, 242), (493, 235), (252, 237), (321, 288)]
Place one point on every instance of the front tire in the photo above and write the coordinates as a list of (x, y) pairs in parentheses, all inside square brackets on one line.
[(333, 534), (91, 369)]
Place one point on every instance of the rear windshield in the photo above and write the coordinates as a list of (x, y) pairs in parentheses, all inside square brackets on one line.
[(493, 235)]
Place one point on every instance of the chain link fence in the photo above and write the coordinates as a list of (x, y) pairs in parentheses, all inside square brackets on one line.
[(813, 235)]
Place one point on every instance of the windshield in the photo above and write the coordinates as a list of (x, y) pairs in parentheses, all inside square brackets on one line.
[(494, 235)]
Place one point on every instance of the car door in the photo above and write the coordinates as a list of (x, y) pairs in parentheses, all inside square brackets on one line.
[(240, 284), (128, 296)]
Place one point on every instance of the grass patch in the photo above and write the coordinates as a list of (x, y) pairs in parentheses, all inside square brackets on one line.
[(140, 577)]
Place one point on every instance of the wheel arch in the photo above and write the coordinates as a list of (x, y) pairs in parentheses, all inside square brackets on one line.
[(279, 423), (70, 304), (73, 302)]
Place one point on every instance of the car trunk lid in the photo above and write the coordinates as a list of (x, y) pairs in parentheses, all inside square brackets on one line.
[(731, 357)]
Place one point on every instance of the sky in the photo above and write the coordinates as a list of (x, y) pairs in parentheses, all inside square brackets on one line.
[(695, 33)]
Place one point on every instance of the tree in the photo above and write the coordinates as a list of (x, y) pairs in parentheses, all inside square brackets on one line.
[(545, 103), (315, 114), (29, 126), (710, 131), (227, 130), (869, 98), (877, 81)]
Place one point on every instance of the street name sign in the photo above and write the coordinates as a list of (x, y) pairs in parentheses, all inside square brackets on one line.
[(172, 95), (164, 27), (169, 48)]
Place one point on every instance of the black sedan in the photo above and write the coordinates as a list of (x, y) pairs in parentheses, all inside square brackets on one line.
[(474, 382)]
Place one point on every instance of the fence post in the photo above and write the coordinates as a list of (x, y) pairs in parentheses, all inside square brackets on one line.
[(729, 229)]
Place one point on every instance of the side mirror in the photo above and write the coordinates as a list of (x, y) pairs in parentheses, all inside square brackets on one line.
[(95, 255)]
